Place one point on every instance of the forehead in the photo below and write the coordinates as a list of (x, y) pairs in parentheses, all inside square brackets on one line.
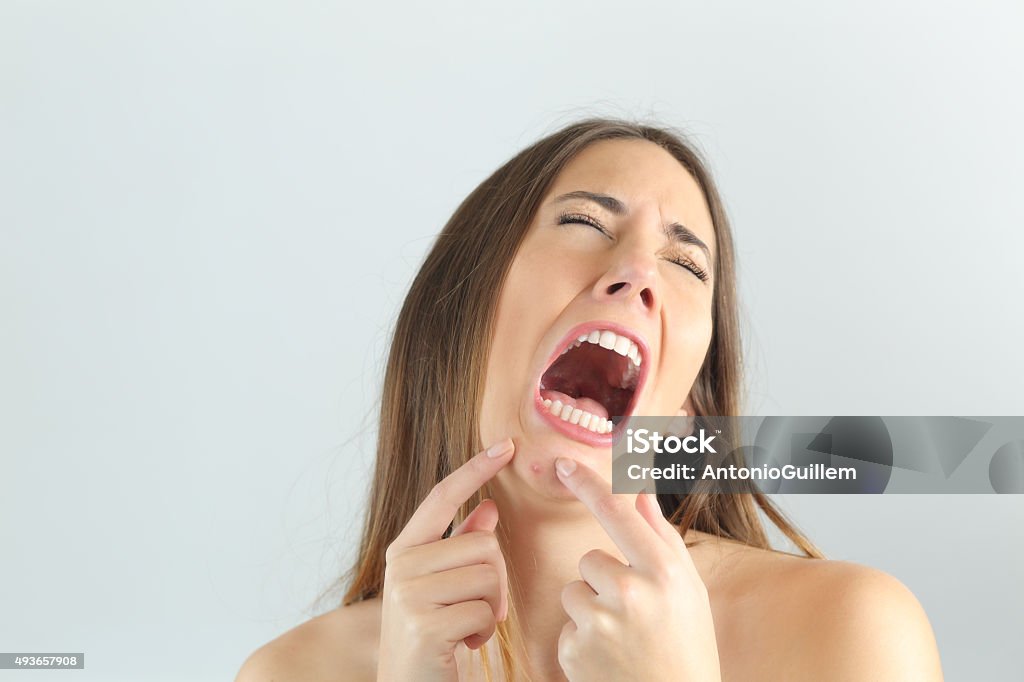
[(643, 176)]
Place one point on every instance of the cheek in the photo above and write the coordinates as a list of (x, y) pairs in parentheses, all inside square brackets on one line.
[(539, 286), (688, 320), (697, 332), (685, 349), (693, 342), (526, 310)]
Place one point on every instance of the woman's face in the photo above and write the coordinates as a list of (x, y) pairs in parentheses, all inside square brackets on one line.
[(616, 270)]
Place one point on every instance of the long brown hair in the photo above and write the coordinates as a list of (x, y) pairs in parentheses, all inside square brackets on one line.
[(435, 371)]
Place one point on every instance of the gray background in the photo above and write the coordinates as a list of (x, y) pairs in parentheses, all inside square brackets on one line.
[(210, 212)]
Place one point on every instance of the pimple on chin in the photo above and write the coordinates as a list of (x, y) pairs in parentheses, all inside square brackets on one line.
[(535, 468)]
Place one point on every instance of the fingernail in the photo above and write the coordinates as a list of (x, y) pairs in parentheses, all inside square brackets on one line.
[(500, 448), (565, 466)]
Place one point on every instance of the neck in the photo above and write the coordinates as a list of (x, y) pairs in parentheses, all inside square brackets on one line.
[(544, 544)]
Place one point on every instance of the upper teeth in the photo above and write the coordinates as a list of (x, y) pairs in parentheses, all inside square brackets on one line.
[(622, 345)]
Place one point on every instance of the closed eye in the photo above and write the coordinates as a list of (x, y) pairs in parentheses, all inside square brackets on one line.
[(584, 219), (687, 264)]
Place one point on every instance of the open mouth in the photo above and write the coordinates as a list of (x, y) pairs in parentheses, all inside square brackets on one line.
[(595, 378)]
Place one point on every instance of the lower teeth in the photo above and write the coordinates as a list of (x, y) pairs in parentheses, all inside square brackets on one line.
[(589, 421)]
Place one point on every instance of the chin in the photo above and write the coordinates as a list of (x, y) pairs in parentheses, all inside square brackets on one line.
[(540, 446)]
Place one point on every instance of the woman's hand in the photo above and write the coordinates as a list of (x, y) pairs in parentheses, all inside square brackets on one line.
[(439, 592), (648, 620)]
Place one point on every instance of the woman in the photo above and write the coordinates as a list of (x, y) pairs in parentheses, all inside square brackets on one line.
[(591, 276)]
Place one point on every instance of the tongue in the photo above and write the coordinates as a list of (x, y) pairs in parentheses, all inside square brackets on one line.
[(586, 404)]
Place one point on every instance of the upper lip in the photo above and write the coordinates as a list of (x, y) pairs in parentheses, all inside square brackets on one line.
[(585, 328)]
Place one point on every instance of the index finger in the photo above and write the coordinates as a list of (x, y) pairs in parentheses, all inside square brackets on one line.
[(615, 512), (431, 519)]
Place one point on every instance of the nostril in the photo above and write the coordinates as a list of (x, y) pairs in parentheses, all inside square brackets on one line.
[(615, 288), (647, 297)]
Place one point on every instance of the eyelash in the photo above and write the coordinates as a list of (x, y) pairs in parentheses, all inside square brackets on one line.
[(569, 218)]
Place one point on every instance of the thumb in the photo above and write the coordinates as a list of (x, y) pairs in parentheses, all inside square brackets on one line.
[(483, 517)]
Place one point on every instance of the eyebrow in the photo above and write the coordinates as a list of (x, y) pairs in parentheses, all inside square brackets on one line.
[(675, 231)]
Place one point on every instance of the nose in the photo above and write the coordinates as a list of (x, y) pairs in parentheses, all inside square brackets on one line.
[(631, 278)]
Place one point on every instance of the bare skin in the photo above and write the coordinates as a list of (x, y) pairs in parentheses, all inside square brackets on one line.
[(609, 589), (777, 617)]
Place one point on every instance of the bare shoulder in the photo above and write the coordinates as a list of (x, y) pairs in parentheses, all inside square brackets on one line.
[(818, 619), (338, 645), (859, 622)]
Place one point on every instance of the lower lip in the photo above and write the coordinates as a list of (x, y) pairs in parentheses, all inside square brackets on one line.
[(574, 431)]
